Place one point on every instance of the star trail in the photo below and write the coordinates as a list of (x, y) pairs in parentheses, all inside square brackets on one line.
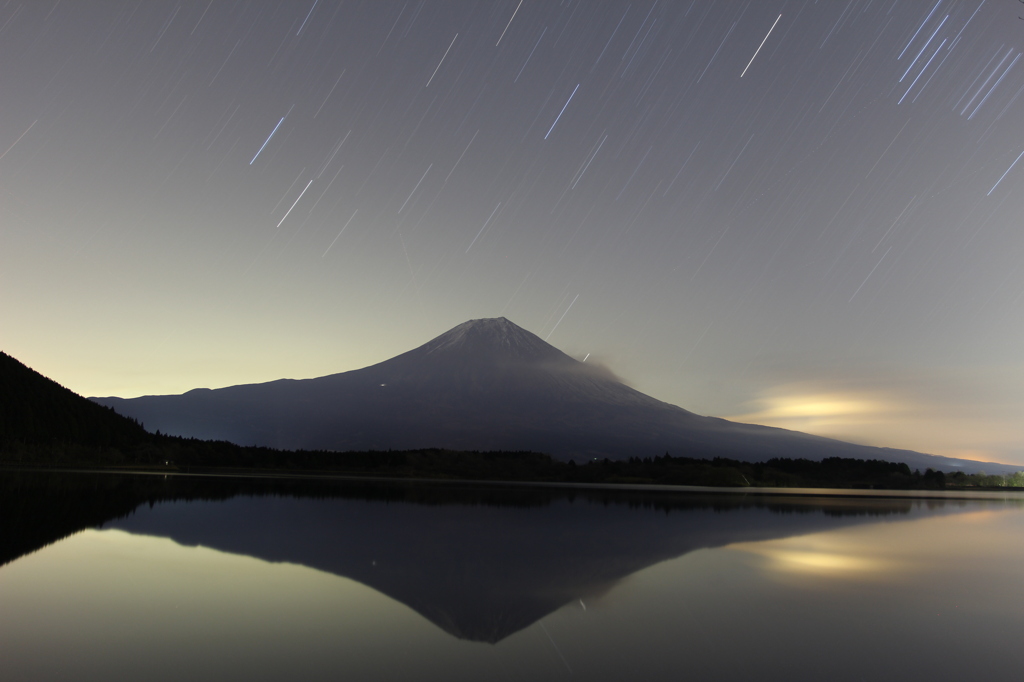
[(735, 205)]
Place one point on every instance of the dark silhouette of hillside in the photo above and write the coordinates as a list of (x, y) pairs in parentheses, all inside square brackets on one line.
[(42, 420)]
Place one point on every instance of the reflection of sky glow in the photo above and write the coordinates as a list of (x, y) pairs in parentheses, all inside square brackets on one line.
[(820, 561), (895, 551)]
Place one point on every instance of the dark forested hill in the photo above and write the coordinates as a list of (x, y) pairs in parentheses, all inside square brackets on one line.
[(38, 415)]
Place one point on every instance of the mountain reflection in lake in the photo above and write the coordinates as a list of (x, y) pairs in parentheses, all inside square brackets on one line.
[(217, 578)]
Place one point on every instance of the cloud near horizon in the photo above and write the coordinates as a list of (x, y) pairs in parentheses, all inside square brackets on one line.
[(965, 413)]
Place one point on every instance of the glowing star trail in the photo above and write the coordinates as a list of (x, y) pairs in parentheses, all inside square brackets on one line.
[(415, 188), (340, 233), (869, 274), (296, 201), (307, 17), (990, 76), (560, 320), (996, 85), (269, 136), (760, 46), (923, 48), (441, 62), (486, 223), (531, 54), (927, 64), (460, 157), (330, 93), (19, 138), (728, 33), (509, 23), (922, 26), (562, 111), (1004, 174)]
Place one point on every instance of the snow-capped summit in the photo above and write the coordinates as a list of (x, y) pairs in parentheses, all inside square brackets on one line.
[(494, 338)]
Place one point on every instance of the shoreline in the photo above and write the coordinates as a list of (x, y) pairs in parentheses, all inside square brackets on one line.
[(862, 493)]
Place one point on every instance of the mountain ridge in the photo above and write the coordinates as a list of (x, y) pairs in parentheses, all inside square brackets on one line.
[(486, 384)]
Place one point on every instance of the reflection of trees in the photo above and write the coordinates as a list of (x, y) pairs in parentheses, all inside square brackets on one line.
[(983, 480)]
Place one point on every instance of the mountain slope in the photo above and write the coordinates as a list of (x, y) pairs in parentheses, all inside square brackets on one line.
[(484, 385)]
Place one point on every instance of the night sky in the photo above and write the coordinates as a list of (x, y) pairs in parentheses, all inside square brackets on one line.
[(800, 214)]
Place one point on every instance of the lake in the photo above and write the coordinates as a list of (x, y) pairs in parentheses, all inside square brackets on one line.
[(132, 577)]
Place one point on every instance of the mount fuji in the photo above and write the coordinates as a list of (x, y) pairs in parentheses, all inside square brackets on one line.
[(484, 385)]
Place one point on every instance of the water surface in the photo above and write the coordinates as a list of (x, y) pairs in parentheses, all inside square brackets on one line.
[(127, 577)]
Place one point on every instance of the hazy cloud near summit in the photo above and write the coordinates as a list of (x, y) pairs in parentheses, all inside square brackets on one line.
[(973, 412), (600, 365)]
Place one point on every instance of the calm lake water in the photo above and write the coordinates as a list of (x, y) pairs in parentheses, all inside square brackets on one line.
[(108, 577)]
